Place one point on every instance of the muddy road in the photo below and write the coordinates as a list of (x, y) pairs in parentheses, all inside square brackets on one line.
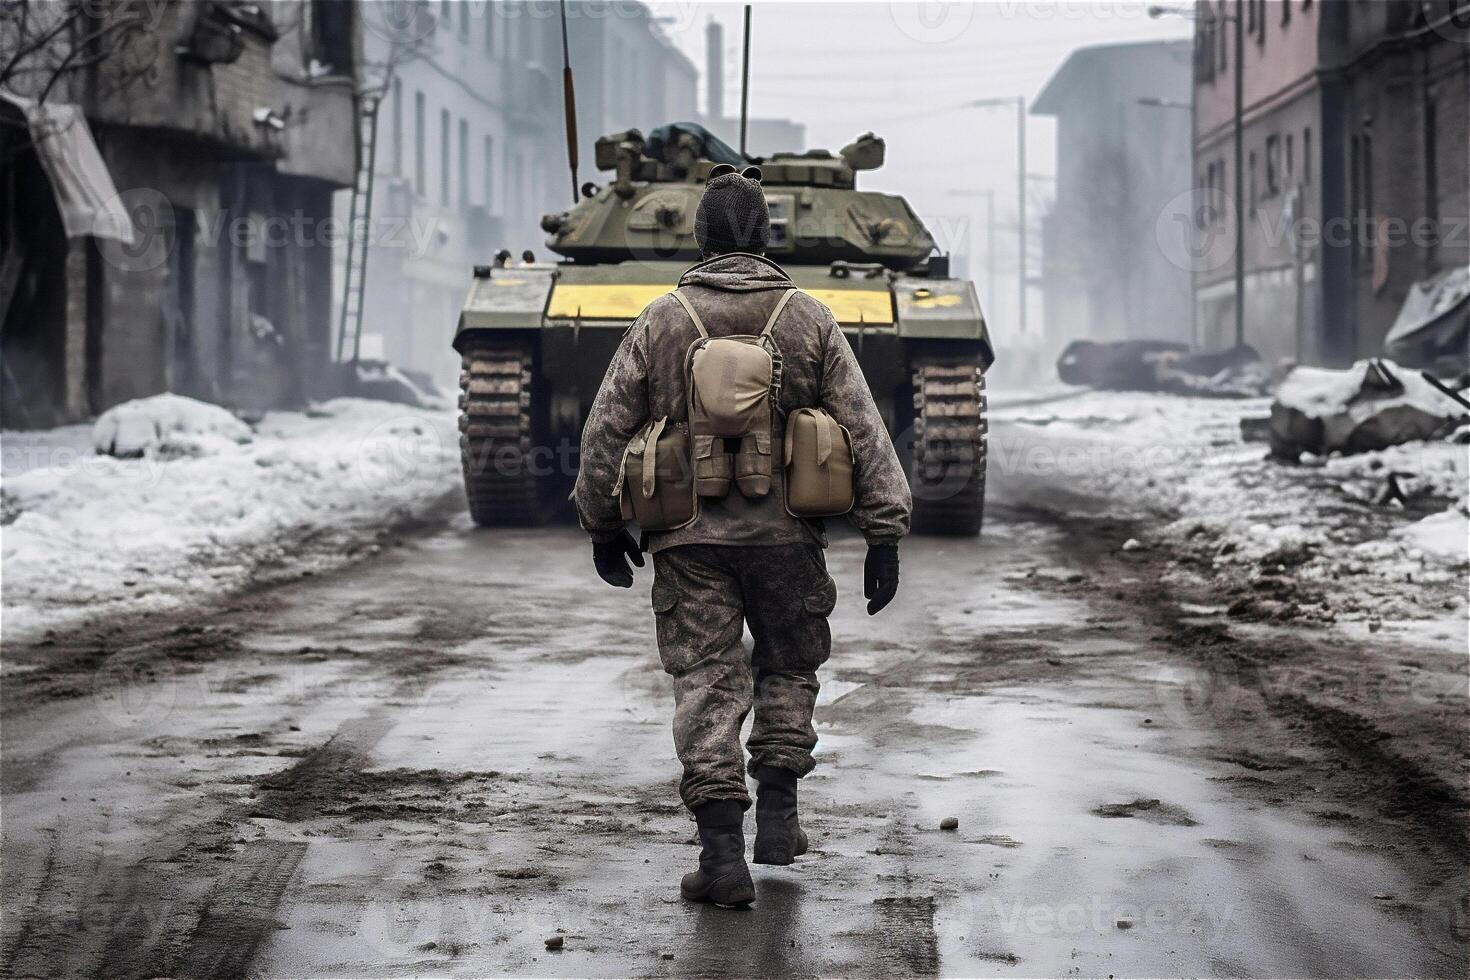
[(432, 761)]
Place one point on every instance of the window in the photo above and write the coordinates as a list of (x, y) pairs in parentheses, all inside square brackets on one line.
[(1222, 61), (1307, 155), (331, 33), (1273, 165), (489, 28), (1285, 12), (489, 173), (1290, 157), (444, 157), (1251, 170), (397, 128), (446, 12), (1431, 173), (1369, 216), (464, 18), (420, 146), (464, 163)]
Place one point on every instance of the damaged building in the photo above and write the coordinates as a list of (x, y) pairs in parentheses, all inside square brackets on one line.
[(1356, 167), (223, 130)]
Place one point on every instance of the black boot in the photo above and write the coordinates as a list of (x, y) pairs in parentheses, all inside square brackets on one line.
[(723, 877), (778, 836)]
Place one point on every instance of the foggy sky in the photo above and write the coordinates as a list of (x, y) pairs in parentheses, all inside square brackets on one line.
[(900, 69)]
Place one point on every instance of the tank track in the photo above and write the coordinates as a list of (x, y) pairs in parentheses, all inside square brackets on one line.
[(950, 448), (496, 435)]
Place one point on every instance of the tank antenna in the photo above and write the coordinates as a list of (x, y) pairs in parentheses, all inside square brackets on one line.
[(744, 81), (569, 97)]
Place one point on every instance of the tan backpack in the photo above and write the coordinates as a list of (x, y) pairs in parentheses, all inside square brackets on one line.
[(732, 383)]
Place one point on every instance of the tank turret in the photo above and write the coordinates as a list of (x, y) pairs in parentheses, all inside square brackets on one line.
[(818, 216)]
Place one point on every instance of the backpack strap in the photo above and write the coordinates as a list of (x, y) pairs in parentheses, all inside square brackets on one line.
[(780, 305), (698, 323)]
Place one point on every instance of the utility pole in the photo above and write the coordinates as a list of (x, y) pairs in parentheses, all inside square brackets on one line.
[(1021, 198), (1019, 101), (990, 243), (1240, 203)]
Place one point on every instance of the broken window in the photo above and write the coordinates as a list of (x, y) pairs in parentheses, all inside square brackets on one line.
[(331, 36)]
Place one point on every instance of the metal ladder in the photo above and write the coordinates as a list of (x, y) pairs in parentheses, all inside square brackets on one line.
[(354, 278)]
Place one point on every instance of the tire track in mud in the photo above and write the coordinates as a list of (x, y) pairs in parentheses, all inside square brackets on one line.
[(158, 915), (239, 914), (1245, 673)]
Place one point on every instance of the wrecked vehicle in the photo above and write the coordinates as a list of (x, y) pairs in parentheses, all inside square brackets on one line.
[(1372, 405), (1163, 365)]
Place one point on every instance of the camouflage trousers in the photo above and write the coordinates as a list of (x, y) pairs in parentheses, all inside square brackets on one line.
[(703, 595)]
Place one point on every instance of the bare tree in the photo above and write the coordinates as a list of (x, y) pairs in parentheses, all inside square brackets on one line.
[(47, 44)]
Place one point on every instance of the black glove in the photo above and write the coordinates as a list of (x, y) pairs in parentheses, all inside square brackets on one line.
[(880, 576), (611, 559)]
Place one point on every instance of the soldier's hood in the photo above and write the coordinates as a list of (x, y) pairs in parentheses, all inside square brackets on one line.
[(737, 272)]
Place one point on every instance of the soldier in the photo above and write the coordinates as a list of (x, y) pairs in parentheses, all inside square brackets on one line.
[(743, 560)]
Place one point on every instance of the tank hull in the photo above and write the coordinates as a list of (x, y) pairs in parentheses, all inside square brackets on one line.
[(536, 341)]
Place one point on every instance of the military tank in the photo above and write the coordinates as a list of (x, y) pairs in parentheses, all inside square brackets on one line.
[(536, 337)]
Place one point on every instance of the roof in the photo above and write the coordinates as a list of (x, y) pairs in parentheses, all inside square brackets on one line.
[(1078, 72)]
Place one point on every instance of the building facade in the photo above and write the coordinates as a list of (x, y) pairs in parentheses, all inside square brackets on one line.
[(225, 127), (1356, 167), (1122, 137), (471, 145)]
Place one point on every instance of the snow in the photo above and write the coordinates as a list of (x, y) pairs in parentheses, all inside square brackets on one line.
[(1372, 404), (1178, 468), (170, 423), (200, 512), (1446, 536)]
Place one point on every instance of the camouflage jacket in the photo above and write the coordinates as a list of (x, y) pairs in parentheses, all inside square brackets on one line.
[(735, 294)]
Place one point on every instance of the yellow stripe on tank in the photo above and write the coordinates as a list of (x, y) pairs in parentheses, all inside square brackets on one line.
[(624, 301)]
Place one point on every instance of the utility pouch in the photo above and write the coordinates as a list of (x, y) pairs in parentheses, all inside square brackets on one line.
[(655, 483), (713, 467), (753, 464), (819, 464)]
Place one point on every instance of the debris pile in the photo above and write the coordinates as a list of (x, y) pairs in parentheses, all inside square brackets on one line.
[(1372, 405)]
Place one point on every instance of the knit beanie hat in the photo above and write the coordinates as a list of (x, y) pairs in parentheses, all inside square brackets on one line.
[(732, 214)]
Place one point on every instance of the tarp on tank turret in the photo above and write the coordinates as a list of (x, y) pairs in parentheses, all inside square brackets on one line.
[(716, 150)]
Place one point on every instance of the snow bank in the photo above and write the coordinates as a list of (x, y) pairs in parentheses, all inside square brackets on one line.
[(1178, 467), (168, 423), (87, 536)]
